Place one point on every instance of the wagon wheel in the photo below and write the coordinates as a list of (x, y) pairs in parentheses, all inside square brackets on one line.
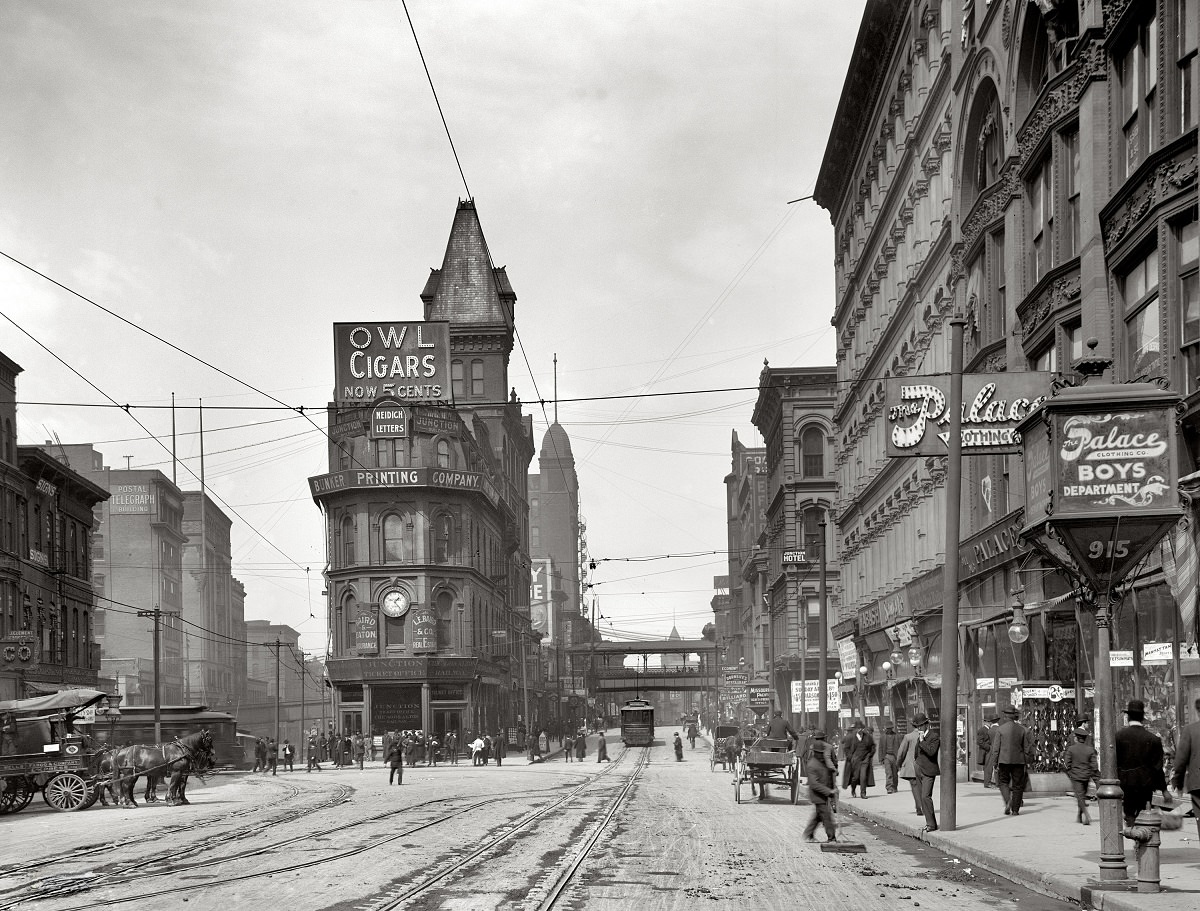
[(737, 782), (795, 783), (93, 796), (66, 792), (16, 796)]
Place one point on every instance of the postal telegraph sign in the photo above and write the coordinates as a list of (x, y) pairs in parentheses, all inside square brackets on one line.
[(917, 410)]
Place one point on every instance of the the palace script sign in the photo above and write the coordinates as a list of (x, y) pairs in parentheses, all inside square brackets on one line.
[(405, 361), (917, 411), (1117, 460)]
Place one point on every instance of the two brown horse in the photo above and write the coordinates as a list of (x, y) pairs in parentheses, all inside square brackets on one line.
[(178, 759)]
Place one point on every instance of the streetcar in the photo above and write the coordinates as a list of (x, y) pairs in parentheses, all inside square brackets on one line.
[(637, 723), (136, 725)]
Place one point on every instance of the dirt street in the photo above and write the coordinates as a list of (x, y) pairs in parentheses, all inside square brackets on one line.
[(644, 832)]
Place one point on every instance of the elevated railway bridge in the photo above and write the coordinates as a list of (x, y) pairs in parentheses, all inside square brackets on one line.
[(681, 665)]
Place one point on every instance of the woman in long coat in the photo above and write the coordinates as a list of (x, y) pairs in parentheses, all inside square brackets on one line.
[(580, 746)]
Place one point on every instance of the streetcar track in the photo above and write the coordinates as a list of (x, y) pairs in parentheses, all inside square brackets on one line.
[(567, 875), (75, 883), (168, 830), (511, 831)]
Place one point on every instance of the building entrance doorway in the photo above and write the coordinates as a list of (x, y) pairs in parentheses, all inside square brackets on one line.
[(445, 721), (351, 722)]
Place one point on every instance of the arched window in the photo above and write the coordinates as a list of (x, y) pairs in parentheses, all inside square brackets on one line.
[(812, 448), (349, 622), (984, 139), (445, 614), (347, 534), (811, 521), (443, 454), (397, 539), (443, 538)]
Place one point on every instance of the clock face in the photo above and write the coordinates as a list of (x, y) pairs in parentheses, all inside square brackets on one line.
[(395, 603)]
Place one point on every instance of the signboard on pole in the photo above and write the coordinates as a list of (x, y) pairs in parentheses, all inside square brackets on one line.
[(917, 411), (811, 701)]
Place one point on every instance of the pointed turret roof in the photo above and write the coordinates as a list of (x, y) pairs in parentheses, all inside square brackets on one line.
[(467, 289), (674, 633)]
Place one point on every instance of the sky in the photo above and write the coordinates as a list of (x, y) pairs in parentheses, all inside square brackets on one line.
[(235, 176)]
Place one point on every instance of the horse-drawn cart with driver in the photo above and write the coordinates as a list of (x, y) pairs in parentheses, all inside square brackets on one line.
[(41, 750), (764, 762)]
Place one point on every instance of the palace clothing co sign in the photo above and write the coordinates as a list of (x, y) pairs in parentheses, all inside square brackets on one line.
[(918, 412)]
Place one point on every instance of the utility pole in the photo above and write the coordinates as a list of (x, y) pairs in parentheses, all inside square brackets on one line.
[(157, 616), (948, 726), (276, 692), (302, 739), (822, 640)]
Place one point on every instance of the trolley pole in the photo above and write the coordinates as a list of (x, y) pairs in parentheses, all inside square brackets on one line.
[(277, 694), (157, 616), (822, 641)]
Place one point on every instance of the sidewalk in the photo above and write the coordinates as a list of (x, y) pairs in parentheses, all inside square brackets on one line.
[(1043, 848)]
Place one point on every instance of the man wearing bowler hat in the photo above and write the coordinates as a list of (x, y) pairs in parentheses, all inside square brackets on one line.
[(1139, 762), (1012, 749), (926, 746)]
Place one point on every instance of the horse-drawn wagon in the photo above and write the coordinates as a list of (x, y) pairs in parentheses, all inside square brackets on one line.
[(40, 750), (764, 762), (724, 747)]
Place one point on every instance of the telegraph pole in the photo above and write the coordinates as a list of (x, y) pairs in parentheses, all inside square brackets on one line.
[(300, 659), (276, 692), (157, 616), (822, 640)]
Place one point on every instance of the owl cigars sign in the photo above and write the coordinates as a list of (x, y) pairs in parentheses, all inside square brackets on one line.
[(917, 411), (405, 361)]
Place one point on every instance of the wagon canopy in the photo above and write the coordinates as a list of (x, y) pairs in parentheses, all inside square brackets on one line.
[(63, 701)]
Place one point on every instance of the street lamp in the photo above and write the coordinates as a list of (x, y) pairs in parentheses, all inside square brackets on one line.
[(110, 708), (1018, 629)]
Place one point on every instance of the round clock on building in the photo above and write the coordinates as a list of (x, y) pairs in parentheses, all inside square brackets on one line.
[(395, 603)]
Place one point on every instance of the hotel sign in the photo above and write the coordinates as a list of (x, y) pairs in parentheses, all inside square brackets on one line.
[(407, 361), (917, 411)]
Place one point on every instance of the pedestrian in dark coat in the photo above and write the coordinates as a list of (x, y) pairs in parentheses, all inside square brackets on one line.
[(1186, 771), (452, 747), (984, 742), (889, 747), (314, 753), (602, 748), (500, 748), (360, 750), (569, 746), (395, 761), (1139, 762), (861, 751), (678, 747), (272, 756), (907, 759), (1012, 750), (821, 791), (260, 755), (926, 746), (289, 754), (1081, 766), (580, 746)]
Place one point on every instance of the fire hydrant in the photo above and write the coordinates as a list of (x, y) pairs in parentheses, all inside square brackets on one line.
[(1146, 831)]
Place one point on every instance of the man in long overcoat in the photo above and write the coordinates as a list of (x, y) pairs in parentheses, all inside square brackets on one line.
[(906, 757), (1186, 772), (983, 740), (889, 749), (860, 751), (1012, 750), (1139, 762), (821, 791)]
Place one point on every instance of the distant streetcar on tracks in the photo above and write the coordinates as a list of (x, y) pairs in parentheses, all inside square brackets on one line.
[(637, 723)]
